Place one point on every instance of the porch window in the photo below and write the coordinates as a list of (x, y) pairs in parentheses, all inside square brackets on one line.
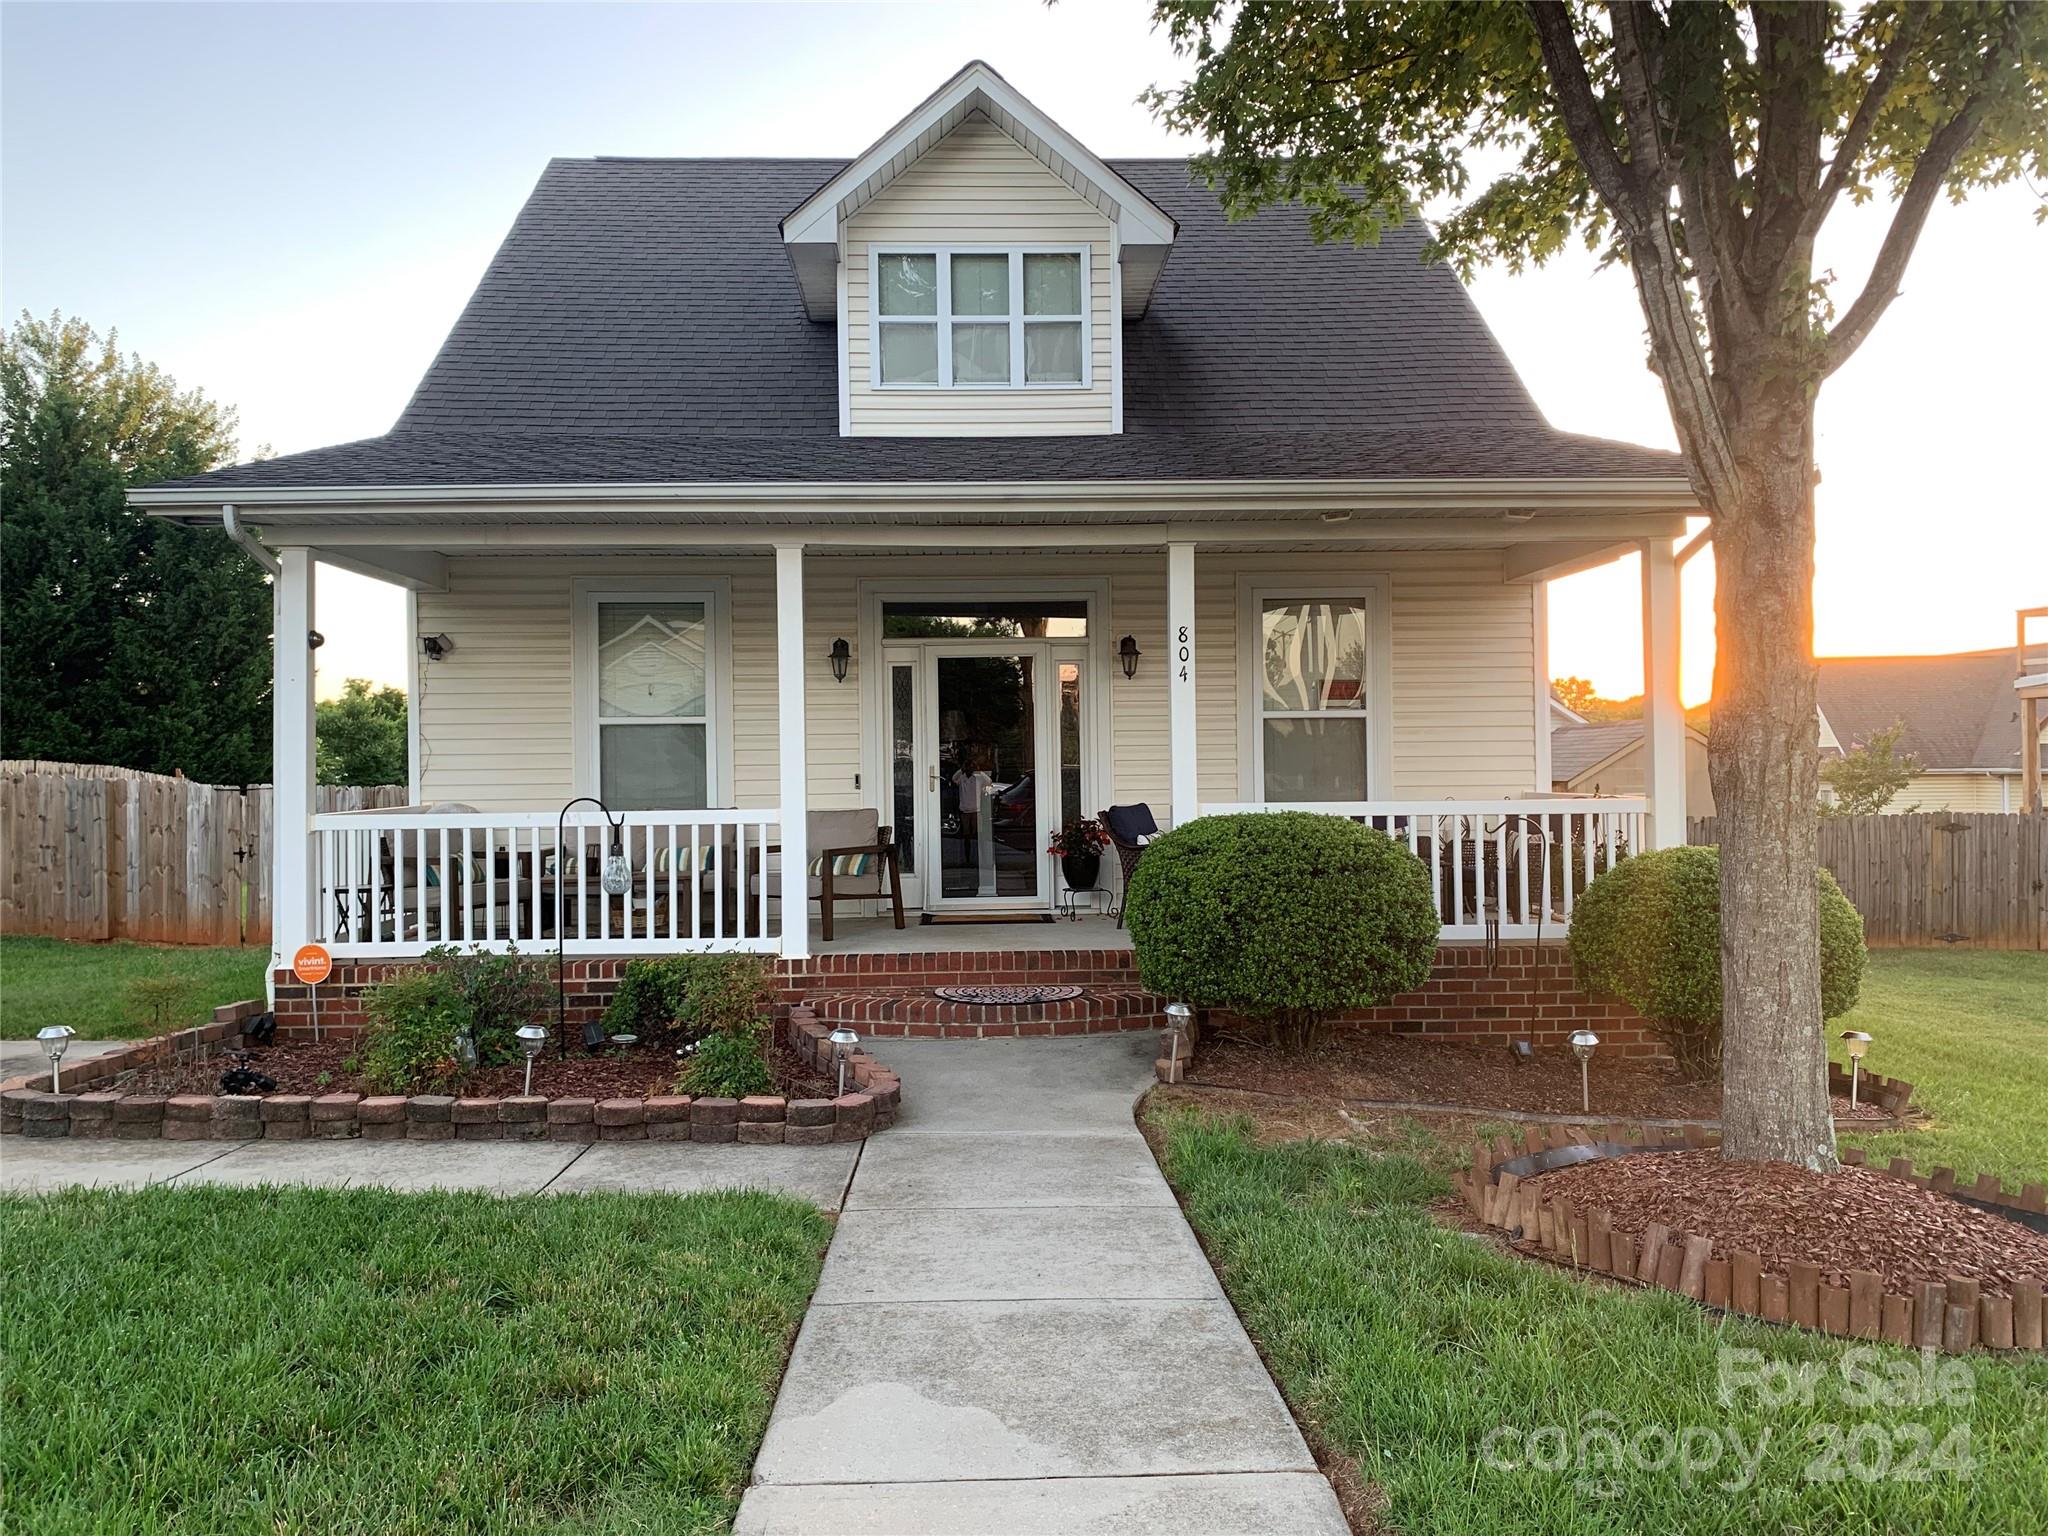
[(654, 662), (981, 318), (1313, 716)]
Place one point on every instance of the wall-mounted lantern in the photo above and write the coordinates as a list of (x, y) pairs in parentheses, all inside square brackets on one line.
[(1127, 654), (842, 653)]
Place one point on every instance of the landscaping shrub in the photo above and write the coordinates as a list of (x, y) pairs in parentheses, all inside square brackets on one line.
[(695, 995), (1649, 931), (410, 1024), (501, 989), (1281, 917), (653, 996), (726, 1066)]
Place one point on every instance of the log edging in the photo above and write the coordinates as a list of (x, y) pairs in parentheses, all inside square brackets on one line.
[(1951, 1315)]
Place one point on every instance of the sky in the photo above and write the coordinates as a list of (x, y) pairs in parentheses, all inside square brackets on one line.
[(287, 205)]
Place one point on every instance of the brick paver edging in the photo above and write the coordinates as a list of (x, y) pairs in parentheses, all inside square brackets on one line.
[(875, 1095), (1952, 1316)]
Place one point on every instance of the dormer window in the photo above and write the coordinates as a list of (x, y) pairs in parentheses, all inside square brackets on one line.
[(981, 317)]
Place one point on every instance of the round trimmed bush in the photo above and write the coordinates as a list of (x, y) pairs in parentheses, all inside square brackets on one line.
[(1281, 917), (1649, 932)]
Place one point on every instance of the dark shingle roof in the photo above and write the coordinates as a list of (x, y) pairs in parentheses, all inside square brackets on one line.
[(1575, 748), (641, 322), (1960, 710)]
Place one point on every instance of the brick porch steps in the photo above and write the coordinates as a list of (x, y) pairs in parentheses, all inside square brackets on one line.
[(915, 1013)]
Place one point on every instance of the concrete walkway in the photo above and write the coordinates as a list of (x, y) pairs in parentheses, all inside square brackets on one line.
[(1016, 1331), (817, 1174)]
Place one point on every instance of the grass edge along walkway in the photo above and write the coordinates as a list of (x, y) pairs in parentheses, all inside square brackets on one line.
[(324, 1360), (1481, 1392)]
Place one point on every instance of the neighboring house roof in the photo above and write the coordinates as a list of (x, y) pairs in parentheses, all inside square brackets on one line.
[(1579, 749), (641, 324), (1959, 710)]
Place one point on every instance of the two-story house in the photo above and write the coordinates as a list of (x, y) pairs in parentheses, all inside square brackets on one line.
[(966, 487)]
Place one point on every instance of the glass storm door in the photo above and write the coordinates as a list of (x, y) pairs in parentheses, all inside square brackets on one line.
[(987, 803)]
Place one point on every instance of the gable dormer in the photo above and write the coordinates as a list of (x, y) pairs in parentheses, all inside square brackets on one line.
[(980, 264)]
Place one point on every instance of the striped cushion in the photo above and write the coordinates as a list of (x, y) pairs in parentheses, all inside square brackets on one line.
[(853, 865), (706, 859), (475, 871)]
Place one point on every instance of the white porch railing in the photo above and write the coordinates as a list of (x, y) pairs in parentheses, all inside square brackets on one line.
[(395, 882), (1509, 869)]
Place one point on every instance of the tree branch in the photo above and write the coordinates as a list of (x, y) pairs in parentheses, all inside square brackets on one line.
[(1930, 171), (1912, 21), (1583, 119), (1643, 213)]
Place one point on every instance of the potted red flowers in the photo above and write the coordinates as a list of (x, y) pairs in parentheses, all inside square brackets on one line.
[(1079, 845)]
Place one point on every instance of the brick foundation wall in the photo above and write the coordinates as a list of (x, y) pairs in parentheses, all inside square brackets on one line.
[(1526, 993)]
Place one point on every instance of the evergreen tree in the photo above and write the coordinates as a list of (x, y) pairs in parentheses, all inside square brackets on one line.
[(129, 640), (359, 738)]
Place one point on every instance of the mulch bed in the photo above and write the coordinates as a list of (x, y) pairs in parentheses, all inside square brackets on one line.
[(1361, 1064), (645, 1069), (1858, 1218)]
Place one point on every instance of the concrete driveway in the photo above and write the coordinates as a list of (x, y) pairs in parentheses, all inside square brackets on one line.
[(1016, 1331)]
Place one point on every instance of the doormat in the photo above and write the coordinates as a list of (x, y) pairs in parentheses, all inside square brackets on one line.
[(944, 919), (1007, 994)]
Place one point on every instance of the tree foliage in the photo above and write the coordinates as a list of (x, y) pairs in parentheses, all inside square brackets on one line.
[(1703, 145), (1869, 774), (130, 640), (359, 738)]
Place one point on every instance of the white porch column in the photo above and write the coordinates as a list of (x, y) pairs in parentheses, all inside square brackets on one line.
[(291, 756), (791, 753), (1180, 680), (1663, 715)]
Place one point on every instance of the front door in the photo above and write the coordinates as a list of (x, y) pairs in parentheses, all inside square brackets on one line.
[(987, 805)]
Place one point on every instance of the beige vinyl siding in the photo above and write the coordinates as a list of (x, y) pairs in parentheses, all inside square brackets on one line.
[(978, 186), (1956, 792), (497, 722)]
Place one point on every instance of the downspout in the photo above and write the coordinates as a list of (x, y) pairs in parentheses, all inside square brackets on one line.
[(263, 557), (248, 540)]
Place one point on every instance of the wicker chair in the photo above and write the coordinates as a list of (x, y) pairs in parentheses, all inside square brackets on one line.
[(1126, 826)]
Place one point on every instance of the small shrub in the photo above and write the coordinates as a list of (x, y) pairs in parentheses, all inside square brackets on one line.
[(165, 1000), (410, 1024), (653, 996), (690, 995), (726, 1066), (729, 995), (1281, 917), (1649, 932), (501, 991)]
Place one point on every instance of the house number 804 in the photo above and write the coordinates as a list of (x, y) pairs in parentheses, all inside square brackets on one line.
[(1182, 654)]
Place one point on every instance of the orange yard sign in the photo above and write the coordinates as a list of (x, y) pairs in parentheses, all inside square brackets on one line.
[(312, 964)]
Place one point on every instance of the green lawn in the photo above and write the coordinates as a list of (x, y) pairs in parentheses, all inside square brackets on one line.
[(91, 986), (324, 1360), (1415, 1351), (1969, 1030)]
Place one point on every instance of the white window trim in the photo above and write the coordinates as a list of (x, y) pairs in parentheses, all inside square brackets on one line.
[(716, 595), (1373, 593), (944, 319)]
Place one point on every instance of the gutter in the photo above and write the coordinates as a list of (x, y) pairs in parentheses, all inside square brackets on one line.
[(242, 536)]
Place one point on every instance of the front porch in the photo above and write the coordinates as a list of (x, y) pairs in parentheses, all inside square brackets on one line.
[(962, 690)]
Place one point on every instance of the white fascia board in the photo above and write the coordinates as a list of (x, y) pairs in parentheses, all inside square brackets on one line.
[(816, 221), (1635, 495)]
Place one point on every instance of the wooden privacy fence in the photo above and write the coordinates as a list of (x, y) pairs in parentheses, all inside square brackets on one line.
[(110, 853), (1938, 878)]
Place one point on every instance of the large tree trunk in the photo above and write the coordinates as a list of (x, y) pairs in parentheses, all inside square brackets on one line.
[(1764, 759)]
